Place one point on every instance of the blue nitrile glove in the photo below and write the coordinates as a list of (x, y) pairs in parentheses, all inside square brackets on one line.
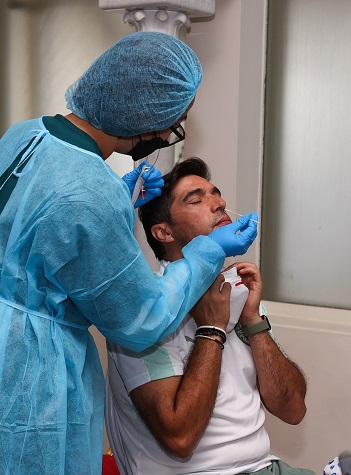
[(234, 244), (153, 183)]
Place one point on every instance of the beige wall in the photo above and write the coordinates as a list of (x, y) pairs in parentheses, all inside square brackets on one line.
[(225, 125)]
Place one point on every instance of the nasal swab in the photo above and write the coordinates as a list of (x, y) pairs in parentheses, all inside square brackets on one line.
[(139, 185), (139, 188), (238, 214)]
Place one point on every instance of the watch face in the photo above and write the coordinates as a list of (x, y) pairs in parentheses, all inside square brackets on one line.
[(240, 334)]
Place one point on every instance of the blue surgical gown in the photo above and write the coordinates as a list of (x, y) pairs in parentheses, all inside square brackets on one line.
[(68, 260)]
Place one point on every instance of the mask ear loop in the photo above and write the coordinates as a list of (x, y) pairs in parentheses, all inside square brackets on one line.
[(140, 182), (139, 189), (147, 156), (158, 154), (143, 189)]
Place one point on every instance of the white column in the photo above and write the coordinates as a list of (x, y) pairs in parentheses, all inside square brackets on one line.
[(157, 20)]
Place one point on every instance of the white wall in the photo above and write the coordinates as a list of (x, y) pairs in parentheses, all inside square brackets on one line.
[(225, 125)]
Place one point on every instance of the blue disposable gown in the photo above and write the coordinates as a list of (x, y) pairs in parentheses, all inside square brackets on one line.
[(69, 259)]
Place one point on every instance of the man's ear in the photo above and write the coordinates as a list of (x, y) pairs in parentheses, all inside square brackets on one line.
[(162, 232)]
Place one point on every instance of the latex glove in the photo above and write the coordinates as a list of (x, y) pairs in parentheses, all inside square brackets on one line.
[(153, 183), (231, 241)]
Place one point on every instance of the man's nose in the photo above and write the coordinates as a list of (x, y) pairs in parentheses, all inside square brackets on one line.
[(218, 203)]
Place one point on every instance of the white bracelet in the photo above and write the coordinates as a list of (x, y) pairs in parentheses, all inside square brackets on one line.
[(209, 327), (210, 338), (211, 330)]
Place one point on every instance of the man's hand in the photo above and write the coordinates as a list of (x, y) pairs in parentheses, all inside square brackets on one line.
[(214, 306), (251, 278), (281, 384)]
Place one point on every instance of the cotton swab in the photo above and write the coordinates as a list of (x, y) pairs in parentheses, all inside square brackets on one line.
[(238, 214)]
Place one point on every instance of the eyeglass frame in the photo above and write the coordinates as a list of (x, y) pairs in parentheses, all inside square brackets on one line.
[(175, 131), (180, 135)]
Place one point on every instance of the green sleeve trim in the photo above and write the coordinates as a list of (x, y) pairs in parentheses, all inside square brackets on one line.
[(158, 362)]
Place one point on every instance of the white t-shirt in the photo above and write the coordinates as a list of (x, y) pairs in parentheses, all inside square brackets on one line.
[(234, 441)]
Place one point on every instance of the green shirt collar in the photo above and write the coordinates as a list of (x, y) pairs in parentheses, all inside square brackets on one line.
[(64, 130)]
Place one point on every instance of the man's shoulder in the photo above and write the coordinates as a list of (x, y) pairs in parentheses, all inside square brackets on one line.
[(162, 360), (176, 340)]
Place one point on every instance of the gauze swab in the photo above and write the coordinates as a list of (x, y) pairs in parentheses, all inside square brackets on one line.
[(238, 214)]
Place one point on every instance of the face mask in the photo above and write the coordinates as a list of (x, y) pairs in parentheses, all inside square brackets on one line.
[(145, 147)]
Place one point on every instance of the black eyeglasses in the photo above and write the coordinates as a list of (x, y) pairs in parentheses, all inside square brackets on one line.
[(177, 135)]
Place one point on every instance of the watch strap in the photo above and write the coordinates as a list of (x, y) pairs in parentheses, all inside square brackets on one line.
[(250, 330)]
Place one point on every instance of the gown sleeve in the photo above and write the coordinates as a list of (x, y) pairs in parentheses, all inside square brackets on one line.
[(92, 256)]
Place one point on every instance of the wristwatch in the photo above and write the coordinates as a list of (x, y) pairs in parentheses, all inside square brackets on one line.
[(249, 330)]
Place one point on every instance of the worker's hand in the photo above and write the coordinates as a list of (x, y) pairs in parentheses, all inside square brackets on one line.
[(214, 306), (152, 185), (233, 242)]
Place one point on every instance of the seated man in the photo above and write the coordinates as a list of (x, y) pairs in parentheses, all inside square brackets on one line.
[(193, 403)]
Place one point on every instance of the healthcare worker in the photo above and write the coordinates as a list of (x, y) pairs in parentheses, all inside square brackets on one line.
[(69, 259)]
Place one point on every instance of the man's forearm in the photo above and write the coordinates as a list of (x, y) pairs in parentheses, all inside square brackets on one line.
[(282, 385), (196, 395), (178, 416)]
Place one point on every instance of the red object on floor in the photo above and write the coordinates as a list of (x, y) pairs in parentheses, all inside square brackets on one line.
[(109, 466)]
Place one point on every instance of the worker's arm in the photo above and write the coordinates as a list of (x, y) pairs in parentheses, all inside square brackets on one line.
[(177, 409), (281, 384)]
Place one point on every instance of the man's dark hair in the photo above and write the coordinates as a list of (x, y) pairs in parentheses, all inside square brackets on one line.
[(158, 210)]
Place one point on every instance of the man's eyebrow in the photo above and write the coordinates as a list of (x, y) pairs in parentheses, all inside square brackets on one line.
[(191, 193), (200, 191), (216, 191)]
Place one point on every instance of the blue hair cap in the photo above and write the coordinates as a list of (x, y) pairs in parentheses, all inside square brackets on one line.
[(144, 83)]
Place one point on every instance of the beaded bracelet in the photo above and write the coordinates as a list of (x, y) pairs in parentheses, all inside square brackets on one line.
[(210, 330), (210, 338)]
